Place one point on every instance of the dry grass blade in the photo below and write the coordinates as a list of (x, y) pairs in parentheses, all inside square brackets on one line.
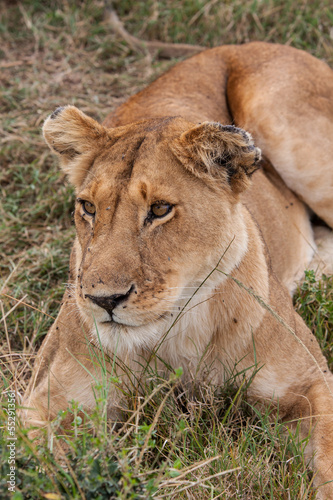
[(137, 412), (152, 426), (191, 484), (192, 468), (21, 301)]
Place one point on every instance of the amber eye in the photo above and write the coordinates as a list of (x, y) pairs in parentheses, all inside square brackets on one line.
[(160, 209), (88, 207)]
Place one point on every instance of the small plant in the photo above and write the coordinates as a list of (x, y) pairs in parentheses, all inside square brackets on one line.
[(314, 302)]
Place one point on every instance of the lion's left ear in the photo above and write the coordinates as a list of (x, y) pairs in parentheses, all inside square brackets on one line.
[(75, 138), (219, 152)]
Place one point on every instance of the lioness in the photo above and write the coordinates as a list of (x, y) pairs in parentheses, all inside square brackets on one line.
[(173, 214)]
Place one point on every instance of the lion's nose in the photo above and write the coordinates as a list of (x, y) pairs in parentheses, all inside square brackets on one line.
[(110, 302)]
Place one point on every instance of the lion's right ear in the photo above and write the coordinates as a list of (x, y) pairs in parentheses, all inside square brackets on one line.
[(74, 137)]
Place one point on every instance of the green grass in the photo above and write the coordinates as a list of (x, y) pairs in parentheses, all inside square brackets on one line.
[(314, 303), (58, 52), (303, 24), (208, 445)]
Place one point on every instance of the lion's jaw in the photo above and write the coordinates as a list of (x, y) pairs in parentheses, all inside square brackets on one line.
[(152, 315)]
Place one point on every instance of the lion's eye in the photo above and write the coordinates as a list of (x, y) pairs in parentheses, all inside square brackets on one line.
[(88, 207), (160, 209)]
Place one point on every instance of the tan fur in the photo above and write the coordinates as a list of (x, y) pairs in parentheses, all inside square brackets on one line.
[(232, 246)]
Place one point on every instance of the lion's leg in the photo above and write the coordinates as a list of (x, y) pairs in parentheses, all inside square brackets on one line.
[(317, 419), (303, 394), (310, 408), (63, 381), (67, 368)]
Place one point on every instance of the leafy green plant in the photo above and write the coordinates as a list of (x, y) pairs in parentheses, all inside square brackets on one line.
[(314, 302)]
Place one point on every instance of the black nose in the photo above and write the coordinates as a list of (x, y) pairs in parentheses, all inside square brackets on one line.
[(110, 302)]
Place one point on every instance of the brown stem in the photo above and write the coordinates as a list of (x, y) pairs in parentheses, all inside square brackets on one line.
[(162, 49)]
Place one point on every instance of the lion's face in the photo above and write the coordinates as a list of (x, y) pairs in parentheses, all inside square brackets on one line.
[(156, 209)]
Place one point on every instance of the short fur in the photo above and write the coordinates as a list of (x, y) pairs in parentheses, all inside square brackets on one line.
[(166, 146)]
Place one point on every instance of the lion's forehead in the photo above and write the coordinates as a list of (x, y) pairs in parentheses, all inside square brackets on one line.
[(145, 172), (142, 141)]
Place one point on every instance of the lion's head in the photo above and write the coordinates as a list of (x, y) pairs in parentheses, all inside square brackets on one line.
[(157, 206)]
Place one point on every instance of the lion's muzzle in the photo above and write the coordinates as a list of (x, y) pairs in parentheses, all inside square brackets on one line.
[(110, 302)]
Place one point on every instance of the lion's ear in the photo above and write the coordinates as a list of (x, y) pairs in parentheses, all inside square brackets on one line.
[(74, 137), (225, 153)]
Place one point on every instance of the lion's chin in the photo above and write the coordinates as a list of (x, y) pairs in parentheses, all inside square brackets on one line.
[(119, 337)]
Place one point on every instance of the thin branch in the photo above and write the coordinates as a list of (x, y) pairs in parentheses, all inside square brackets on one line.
[(162, 49)]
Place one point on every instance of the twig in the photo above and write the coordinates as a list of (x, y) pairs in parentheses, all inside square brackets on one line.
[(162, 49), (11, 64)]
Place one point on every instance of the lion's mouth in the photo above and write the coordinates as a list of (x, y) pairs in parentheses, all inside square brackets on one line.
[(121, 323), (113, 321), (118, 323)]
